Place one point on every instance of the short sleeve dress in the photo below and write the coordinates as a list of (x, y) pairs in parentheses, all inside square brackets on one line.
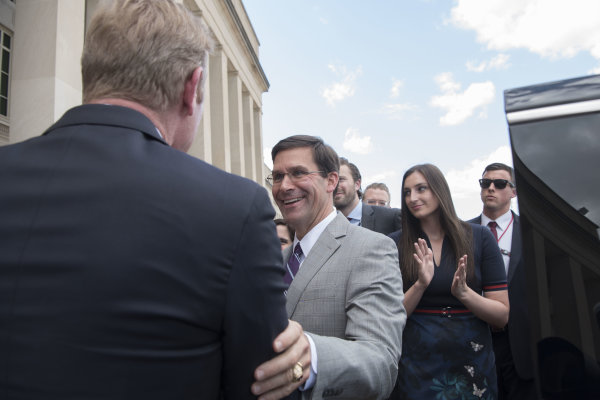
[(446, 350)]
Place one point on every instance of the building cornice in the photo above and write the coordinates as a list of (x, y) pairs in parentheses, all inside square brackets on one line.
[(247, 42)]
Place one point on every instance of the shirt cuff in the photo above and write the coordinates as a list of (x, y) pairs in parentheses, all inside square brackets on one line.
[(312, 378)]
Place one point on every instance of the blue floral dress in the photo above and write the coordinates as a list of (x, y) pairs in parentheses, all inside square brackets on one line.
[(447, 352)]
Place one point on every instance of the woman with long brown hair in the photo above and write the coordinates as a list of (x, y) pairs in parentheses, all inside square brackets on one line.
[(455, 287)]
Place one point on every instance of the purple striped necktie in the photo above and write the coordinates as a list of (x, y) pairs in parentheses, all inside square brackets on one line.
[(293, 264)]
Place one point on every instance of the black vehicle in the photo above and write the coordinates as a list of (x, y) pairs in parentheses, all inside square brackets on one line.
[(555, 140)]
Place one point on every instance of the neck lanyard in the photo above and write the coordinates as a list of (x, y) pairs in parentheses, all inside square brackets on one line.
[(506, 229)]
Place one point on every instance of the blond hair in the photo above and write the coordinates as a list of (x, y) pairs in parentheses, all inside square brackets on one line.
[(143, 51)]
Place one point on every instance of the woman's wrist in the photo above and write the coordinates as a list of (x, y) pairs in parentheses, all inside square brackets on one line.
[(464, 296), (420, 285)]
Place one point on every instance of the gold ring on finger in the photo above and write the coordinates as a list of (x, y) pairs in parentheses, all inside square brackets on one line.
[(297, 372)]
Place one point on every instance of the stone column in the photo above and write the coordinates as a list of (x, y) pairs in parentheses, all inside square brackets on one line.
[(249, 155), (258, 158), (236, 134), (46, 71), (219, 110)]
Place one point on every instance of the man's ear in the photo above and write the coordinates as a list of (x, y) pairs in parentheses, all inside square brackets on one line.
[(332, 181), (357, 185), (514, 193), (192, 90)]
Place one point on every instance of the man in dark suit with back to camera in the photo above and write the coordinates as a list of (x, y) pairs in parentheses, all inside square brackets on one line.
[(512, 345), (126, 272), (347, 201)]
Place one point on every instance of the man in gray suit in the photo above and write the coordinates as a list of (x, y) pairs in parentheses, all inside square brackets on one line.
[(346, 287), (347, 200)]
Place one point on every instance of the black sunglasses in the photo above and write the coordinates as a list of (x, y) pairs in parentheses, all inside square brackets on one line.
[(498, 183)]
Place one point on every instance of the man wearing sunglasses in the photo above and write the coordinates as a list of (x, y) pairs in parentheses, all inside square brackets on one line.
[(511, 345)]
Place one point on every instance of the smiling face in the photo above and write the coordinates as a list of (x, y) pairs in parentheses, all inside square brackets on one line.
[(307, 201), (419, 198), (346, 197), (496, 202)]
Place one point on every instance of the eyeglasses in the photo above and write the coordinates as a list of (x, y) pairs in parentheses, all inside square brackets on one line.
[(498, 183), (295, 176), (373, 202)]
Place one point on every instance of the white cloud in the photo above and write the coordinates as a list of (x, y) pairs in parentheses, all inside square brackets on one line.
[(342, 89), (395, 90), (446, 82), (498, 62), (594, 71), (337, 92), (397, 110), (355, 143), (550, 28), (461, 105), (464, 182), (383, 176)]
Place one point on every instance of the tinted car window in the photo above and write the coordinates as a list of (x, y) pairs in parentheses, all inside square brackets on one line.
[(562, 153)]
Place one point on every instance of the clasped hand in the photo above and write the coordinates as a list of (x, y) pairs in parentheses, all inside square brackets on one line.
[(274, 378), (424, 257)]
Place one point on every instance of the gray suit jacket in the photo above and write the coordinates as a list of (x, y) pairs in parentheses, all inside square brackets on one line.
[(348, 296), (381, 219)]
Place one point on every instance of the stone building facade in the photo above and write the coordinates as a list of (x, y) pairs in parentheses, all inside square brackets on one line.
[(41, 43)]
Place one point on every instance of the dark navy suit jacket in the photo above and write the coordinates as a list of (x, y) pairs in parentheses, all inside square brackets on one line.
[(518, 319), (381, 219), (130, 270)]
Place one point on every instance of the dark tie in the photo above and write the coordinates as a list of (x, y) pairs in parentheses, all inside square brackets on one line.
[(492, 225), (293, 264)]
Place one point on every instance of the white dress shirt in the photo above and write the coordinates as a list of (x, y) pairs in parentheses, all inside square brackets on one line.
[(355, 215), (504, 229)]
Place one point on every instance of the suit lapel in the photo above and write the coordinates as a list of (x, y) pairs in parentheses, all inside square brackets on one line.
[(367, 219), (324, 248), (515, 248), (286, 253)]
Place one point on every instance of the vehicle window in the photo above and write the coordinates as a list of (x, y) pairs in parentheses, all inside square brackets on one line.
[(563, 152)]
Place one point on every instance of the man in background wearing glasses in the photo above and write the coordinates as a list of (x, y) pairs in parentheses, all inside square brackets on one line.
[(377, 194), (347, 201), (511, 344), (345, 286)]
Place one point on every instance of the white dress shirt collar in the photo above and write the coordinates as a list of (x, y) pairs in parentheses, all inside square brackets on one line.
[(502, 221), (309, 240), (356, 214)]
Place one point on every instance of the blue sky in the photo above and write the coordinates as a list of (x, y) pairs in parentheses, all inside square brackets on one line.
[(391, 83)]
